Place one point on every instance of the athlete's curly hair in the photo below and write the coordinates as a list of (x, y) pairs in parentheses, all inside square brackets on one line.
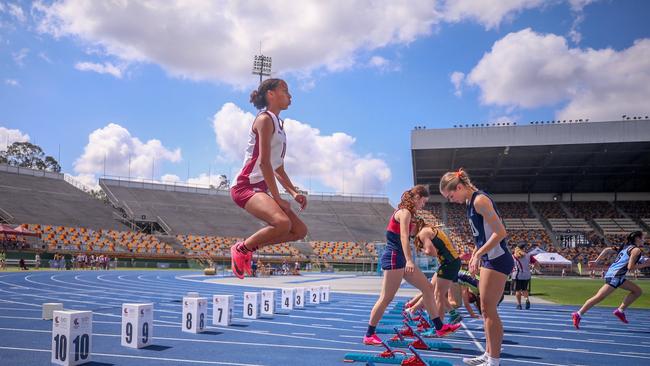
[(408, 198)]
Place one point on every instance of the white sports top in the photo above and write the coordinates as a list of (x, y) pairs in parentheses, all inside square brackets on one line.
[(251, 172)]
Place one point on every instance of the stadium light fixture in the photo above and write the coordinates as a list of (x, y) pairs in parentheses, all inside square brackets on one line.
[(262, 66)]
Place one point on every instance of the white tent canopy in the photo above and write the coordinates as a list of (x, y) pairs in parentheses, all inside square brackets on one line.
[(551, 258)]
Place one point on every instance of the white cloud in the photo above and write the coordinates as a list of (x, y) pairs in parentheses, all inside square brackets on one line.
[(489, 13), (383, 64), (577, 7), (12, 82), (208, 40), (9, 136), (527, 70), (457, 78), (122, 154), (20, 56), (16, 11), (105, 68), (170, 178), (207, 180), (44, 56), (337, 165)]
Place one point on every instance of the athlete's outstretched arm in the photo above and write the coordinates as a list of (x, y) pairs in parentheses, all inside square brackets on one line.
[(604, 254)]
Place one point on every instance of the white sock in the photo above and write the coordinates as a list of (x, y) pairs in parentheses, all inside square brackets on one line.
[(493, 361), (579, 313), (621, 310)]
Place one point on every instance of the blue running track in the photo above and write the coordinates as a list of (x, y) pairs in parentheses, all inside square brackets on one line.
[(317, 335)]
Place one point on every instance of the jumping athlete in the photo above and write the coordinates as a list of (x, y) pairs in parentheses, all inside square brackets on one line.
[(255, 188), (628, 259), (491, 254)]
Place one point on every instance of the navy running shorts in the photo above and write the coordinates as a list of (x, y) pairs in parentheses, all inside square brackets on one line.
[(503, 263), (392, 259)]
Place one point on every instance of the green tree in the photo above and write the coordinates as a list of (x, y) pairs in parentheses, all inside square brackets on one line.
[(28, 155)]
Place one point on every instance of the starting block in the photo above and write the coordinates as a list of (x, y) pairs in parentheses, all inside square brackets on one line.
[(251, 305), (137, 325), (314, 295), (396, 358), (50, 307), (288, 295), (268, 303), (325, 293), (71, 337), (194, 314), (223, 307), (299, 302), (419, 343)]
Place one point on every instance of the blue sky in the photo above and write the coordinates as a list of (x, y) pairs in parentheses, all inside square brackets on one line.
[(168, 87)]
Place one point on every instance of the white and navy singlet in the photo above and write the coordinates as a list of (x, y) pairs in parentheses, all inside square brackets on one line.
[(498, 258)]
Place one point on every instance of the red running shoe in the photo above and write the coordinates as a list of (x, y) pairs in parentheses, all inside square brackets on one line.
[(620, 315), (444, 331), (373, 340), (249, 264), (237, 261), (576, 319)]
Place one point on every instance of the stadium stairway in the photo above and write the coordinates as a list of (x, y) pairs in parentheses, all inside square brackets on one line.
[(545, 223), (304, 248), (636, 220), (173, 242)]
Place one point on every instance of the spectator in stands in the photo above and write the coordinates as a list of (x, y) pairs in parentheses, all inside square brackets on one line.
[(628, 259), (491, 255), (255, 188), (522, 274), (254, 268), (22, 265)]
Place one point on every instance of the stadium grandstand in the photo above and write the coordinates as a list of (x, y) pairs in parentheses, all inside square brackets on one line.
[(174, 222), (571, 187)]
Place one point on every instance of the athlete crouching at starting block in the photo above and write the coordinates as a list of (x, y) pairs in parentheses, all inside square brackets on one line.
[(397, 264)]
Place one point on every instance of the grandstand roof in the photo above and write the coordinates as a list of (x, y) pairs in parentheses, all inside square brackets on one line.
[(549, 158)]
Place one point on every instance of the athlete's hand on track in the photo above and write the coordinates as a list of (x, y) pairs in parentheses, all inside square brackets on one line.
[(410, 266), (302, 201), (284, 205), (474, 265)]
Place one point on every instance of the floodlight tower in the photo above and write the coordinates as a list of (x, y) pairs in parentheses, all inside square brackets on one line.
[(262, 66)]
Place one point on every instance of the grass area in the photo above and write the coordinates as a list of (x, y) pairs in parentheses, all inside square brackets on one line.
[(574, 291)]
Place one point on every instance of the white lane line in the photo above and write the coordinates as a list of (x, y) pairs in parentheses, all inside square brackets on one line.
[(469, 332), (176, 360), (304, 334)]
